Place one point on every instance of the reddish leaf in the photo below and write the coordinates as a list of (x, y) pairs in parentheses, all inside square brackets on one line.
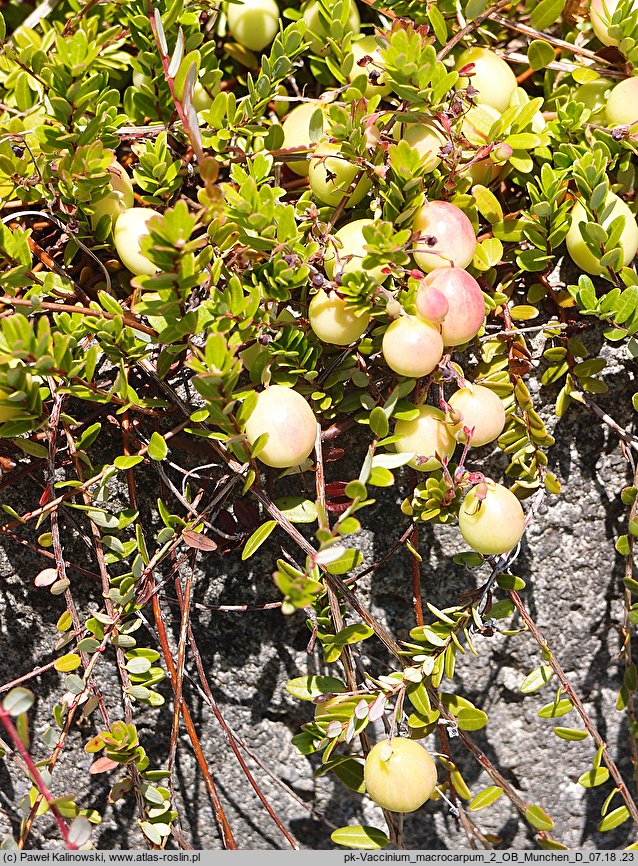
[(336, 488), (246, 514), (46, 577), (198, 541), (102, 765), (333, 454), (338, 507)]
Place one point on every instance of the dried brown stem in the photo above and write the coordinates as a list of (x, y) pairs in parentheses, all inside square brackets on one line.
[(228, 839), (210, 699), (578, 705)]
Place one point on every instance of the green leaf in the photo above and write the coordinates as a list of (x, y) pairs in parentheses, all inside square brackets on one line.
[(523, 312), (471, 719), (151, 832), (123, 462), (631, 584), (18, 701), (32, 448), (258, 537), (555, 709), (360, 837), (80, 831), (537, 679), (475, 8), (546, 13), (157, 447), (614, 819), (487, 203), (68, 662), (593, 778), (347, 770), (510, 581), (348, 560), (485, 798), (379, 422), (538, 818), (438, 23), (539, 54), (353, 634), (571, 734), (622, 545), (297, 509), (309, 688)]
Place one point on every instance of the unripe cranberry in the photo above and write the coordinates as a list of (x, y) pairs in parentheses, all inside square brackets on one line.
[(628, 241), (333, 322), (290, 423), (367, 47), (492, 79), (296, 128), (426, 140), (393, 308), (399, 775), (373, 135), (600, 14), (119, 199), (127, 234), (476, 127), (430, 436), (431, 304), (201, 99), (491, 519), (331, 175), (447, 237), (622, 104), (412, 347), (593, 94), (253, 23), (466, 305), (346, 254), (481, 409)]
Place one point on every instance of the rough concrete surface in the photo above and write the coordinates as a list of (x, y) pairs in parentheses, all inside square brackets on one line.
[(574, 592)]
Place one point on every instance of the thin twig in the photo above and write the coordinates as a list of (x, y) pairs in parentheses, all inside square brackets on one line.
[(210, 699), (228, 839), (7, 723), (461, 34), (578, 704)]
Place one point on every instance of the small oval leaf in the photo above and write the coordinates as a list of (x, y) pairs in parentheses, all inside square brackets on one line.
[(572, 734), (485, 798), (157, 447), (536, 680), (471, 719), (258, 537), (46, 577), (18, 701), (360, 837), (538, 818), (614, 819), (593, 778), (309, 688)]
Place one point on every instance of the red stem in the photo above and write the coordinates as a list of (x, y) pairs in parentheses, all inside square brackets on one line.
[(39, 782)]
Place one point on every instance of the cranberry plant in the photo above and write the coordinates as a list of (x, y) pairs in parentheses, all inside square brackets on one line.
[(237, 238)]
